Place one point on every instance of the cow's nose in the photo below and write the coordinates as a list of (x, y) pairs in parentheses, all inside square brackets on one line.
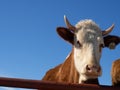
[(93, 69)]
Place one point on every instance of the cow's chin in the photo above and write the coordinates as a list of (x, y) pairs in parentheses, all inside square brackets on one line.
[(85, 77), (92, 75)]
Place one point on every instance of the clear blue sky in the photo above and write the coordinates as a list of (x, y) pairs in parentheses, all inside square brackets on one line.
[(29, 44)]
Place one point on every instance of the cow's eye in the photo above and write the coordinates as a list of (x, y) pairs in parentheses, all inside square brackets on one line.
[(102, 45), (79, 44)]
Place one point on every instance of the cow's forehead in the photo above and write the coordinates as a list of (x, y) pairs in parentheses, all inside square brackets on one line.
[(89, 33), (89, 38), (88, 28)]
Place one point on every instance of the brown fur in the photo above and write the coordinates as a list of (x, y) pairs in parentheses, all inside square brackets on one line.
[(115, 73), (66, 73)]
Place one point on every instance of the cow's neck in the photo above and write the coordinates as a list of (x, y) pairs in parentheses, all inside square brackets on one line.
[(68, 72)]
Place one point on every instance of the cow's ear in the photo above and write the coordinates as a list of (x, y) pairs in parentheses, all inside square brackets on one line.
[(66, 34), (111, 41)]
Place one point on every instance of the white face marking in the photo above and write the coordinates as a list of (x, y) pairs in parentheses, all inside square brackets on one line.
[(87, 50)]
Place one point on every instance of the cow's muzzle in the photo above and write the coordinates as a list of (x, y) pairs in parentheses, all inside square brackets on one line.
[(93, 70)]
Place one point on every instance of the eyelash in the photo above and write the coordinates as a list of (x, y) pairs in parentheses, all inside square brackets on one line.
[(79, 44), (102, 45)]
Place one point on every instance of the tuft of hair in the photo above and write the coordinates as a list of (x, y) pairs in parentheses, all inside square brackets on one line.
[(115, 73), (87, 23)]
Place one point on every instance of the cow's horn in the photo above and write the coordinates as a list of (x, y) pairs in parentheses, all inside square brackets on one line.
[(69, 26), (107, 31)]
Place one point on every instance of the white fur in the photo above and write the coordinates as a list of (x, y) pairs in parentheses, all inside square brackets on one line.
[(90, 37)]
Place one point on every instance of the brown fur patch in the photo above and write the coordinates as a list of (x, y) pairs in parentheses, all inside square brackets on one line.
[(115, 73)]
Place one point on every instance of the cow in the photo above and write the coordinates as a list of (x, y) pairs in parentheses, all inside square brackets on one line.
[(82, 65), (115, 73)]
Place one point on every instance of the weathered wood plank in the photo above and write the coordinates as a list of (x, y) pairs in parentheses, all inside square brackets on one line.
[(43, 85)]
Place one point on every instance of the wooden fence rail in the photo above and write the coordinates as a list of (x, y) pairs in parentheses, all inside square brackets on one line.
[(42, 85)]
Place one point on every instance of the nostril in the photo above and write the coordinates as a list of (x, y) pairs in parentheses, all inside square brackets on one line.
[(93, 68), (88, 68), (99, 69)]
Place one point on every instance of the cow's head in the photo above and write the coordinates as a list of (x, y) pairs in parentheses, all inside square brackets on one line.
[(87, 40)]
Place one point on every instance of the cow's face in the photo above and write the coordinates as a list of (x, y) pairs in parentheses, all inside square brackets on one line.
[(88, 44), (87, 40)]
